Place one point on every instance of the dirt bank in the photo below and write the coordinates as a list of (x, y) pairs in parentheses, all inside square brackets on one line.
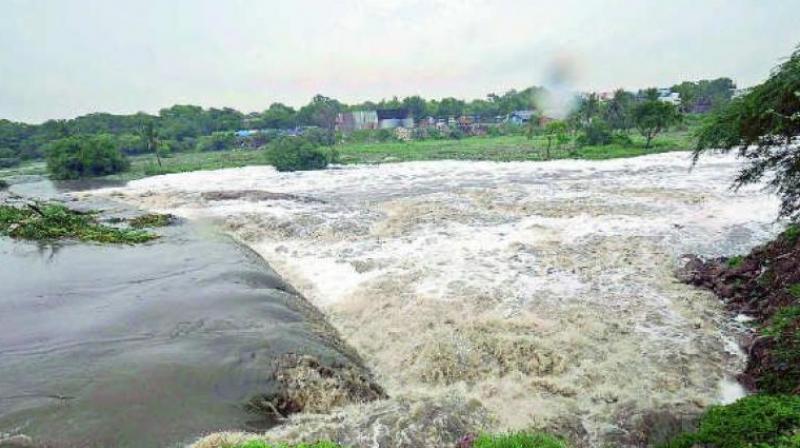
[(763, 288)]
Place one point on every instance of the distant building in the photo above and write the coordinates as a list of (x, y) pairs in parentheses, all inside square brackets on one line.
[(394, 118), (673, 98), (357, 120), (520, 116)]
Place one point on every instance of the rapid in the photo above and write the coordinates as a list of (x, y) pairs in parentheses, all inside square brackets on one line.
[(540, 293)]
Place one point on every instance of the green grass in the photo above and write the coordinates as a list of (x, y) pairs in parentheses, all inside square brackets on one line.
[(501, 149), (518, 440), (48, 222), (151, 220), (794, 290), (260, 444), (512, 440), (791, 233), (757, 421), (735, 262)]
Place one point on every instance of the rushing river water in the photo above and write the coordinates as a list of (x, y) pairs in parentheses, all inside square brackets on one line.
[(542, 291), (144, 346)]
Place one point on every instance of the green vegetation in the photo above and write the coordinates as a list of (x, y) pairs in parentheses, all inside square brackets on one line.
[(3, 185), (735, 261), (504, 148), (295, 154), (43, 222), (8, 159), (651, 117), (782, 366), (762, 126), (261, 444), (518, 440), (758, 421), (791, 233), (794, 290), (512, 440), (151, 220), (704, 95), (84, 156)]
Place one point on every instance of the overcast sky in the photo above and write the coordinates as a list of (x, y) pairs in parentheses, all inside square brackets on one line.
[(59, 59)]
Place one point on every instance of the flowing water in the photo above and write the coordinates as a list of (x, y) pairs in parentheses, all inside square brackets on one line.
[(544, 292), (144, 346)]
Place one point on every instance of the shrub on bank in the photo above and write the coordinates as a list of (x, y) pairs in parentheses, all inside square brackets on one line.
[(295, 154), (757, 421), (8, 159), (85, 156)]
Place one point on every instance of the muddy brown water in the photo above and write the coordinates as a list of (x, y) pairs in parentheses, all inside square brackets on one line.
[(150, 345)]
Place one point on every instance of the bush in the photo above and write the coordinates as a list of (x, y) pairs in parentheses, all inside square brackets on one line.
[(621, 139), (518, 440), (219, 141), (3, 185), (131, 144), (84, 156), (8, 158), (595, 133), (9, 162), (295, 154), (319, 137), (757, 421)]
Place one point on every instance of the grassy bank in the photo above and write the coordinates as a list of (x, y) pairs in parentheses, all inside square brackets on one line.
[(501, 149)]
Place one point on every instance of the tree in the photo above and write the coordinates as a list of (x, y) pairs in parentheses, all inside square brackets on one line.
[(278, 116), (321, 111), (450, 107), (84, 156), (704, 94), (149, 134), (416, 105), (763, 127), (618, 111), (652, 116), (218, 141), (555, 131)]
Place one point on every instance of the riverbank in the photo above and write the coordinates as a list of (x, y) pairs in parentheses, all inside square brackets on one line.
[(486, 148), (542, 292)]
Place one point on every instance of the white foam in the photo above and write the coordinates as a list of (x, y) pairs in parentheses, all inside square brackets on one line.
[(464, 270)]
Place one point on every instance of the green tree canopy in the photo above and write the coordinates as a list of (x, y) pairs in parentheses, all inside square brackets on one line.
[(321, 111), (84, 156), (653, 116), (763, 127)]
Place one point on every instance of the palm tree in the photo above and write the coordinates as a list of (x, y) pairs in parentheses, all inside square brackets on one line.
[(150, 136)]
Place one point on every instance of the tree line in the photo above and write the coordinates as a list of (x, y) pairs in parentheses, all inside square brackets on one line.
[(189, 127)]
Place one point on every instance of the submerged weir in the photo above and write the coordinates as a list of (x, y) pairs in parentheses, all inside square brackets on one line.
[(155, 345), (518, 295)]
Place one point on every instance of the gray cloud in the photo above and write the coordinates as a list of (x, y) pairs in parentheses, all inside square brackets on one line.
[(65, 58)]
